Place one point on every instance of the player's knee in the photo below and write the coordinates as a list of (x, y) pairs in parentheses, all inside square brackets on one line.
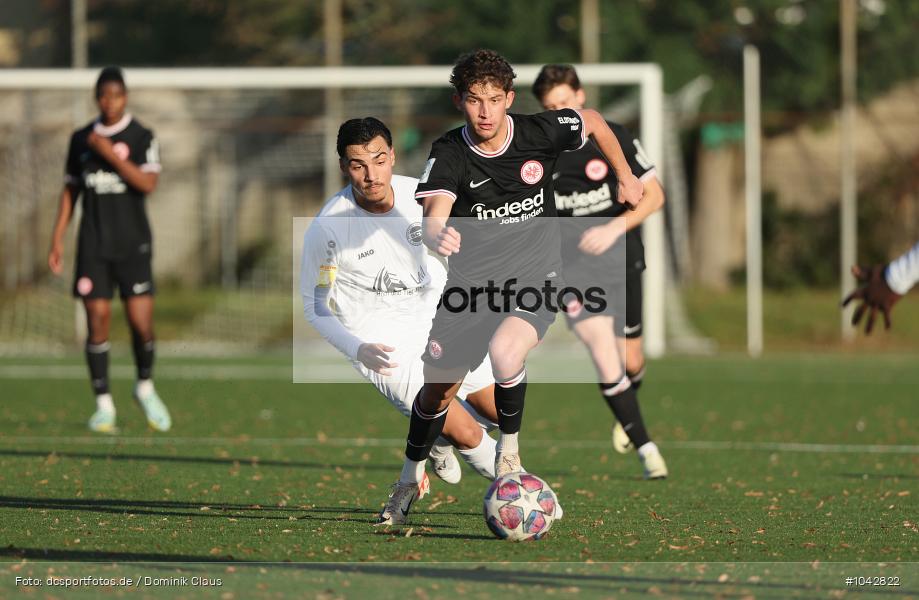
[(506, 358), (465, 435)]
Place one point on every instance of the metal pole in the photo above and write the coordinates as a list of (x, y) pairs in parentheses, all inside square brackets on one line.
[(333, 34), (753, 192), (654, 278), (848, 185), (590, 43), (79, 59)]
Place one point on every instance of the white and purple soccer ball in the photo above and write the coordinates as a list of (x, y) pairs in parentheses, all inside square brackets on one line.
[(519, 506)]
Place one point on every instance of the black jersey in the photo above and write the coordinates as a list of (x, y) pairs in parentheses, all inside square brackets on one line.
[(500, 198), (114, 224), (586, 185)]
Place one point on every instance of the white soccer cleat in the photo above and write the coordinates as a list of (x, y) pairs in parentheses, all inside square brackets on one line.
[(156, 412), (446, 466), (653, 464), (507, 463), (621, 442), (102, 421), (400, 501)]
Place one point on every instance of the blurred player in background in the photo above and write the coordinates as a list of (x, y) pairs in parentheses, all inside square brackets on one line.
[(370, 288), (882, 286), (113, 163), (491, 179), (585, 186)]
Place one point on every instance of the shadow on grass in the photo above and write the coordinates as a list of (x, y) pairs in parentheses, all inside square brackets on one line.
[(205, 460), (199, 510)]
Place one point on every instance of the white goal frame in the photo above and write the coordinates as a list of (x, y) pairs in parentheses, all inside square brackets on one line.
[(647, 77)]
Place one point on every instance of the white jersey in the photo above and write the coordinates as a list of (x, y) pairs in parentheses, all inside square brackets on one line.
[(368, 278), (903, 273)]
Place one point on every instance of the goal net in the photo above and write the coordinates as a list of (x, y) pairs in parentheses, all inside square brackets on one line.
[(244, 151)]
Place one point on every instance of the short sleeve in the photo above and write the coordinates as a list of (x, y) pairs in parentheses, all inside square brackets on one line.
[(635, 155), (149, 157), (442, 172), (564, 128), (72, 170)]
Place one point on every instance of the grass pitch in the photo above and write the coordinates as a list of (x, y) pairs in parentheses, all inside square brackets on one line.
[(788, 474)]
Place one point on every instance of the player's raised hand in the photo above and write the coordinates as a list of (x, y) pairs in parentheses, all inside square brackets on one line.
[(447, 241), (56, 259), (376, 358), (630, 191), (600, 238), (99, 143), (874, 295)]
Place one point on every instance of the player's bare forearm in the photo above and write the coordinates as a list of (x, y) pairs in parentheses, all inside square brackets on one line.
[(597, 128), (440, 238), (64, 214), (652, 199), (630, 188)]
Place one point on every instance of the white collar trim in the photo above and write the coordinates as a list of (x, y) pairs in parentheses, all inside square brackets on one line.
[(499, 151), (110, 130)]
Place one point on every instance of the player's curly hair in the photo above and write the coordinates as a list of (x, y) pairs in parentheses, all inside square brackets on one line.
[(482, 67), (551, 76)]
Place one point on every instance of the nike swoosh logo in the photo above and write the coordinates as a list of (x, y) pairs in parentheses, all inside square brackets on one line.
[(141, 287), (405, 510), (475, 184), (508, 414), (631, 329), (518, 309)]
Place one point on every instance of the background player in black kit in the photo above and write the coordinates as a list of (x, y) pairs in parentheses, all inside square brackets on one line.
[(585, 187), (492, 180), (113, 163)]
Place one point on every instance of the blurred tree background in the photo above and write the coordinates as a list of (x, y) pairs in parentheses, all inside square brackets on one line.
[(798, 42)]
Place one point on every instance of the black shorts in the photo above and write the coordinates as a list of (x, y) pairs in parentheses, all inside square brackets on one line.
[(625, 300), (460, 338), (97, 277)]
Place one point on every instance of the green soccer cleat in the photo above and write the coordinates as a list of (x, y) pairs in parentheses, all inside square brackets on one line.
[(103, 421), (157, 414)]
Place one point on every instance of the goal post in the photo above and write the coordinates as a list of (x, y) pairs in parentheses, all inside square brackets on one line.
[(646, 77)]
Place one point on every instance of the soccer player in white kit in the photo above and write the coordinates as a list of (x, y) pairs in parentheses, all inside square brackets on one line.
[(370, 288)]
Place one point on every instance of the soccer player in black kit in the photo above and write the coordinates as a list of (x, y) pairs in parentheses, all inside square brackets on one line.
[(112, 164), (606, 246), (486, 192)]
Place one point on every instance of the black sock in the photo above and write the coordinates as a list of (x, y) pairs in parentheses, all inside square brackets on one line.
[(509, 397), (423, 431), (624, 404), (636, 378), (143, 355), (97, 359)]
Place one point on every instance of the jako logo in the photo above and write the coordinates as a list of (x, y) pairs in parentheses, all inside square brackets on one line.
[(509, 209)]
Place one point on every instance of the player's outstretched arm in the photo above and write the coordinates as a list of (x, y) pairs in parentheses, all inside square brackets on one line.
[(438, 236), (630, 188), (64, 213), (140, 180)]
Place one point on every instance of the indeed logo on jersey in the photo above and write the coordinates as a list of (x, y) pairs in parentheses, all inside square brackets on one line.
[(105, 182), (585, 203), (512, 212)]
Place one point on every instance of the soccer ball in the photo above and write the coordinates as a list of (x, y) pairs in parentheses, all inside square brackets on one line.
[(519, 506)]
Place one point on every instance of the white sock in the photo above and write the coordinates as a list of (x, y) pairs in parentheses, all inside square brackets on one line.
[(144, 387), (507, 443), (648, 448), (412, 471), (482, 457), (104, 402), (440, 449)]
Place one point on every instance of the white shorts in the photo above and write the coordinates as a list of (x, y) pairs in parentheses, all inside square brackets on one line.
[(406, 380)]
